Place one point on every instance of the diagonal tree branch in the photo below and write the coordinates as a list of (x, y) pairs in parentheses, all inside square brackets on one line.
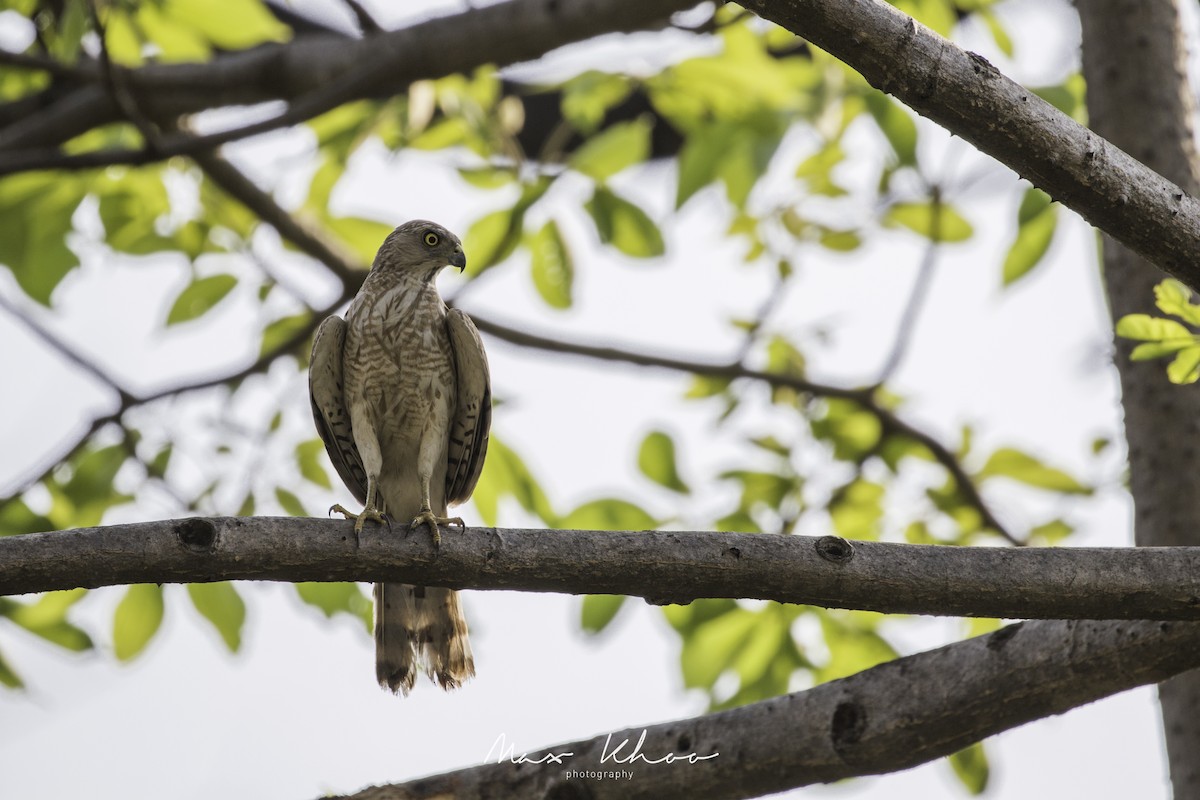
[(969, 97), (662, 566), (888, 718)]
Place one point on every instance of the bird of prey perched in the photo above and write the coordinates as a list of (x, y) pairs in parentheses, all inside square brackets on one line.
[(402, 399)]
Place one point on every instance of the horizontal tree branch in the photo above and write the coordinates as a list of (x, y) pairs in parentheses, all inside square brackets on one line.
[(316, 70), (895, 716), (965, 94), (661, 566)]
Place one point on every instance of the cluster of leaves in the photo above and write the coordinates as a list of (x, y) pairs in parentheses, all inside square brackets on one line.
[(1161, 337)]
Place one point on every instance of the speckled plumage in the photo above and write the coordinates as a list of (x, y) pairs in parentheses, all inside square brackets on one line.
[(402, 399)]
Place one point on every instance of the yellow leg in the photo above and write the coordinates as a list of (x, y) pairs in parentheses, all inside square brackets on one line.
[(371, 512)]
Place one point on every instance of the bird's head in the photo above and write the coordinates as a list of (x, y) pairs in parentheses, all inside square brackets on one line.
[(421, 247)]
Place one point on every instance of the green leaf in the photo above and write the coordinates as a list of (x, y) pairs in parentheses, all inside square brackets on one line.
[(763, 647), (897, 126), (290, 503), (613, 149), (1033, 203), (220, 604), (857, 509), (35, 219), (839, 241), (736, 151), (1146, 328), (8, 676), (1185, 367), (137, 619), (47, 618), (229, 24), (817, 170), (130, 205), (505, 475), (587, 97), (712, 647), (999, 34), (487, 177), (491, 239), (321, 187), (656, 460), (1008, 462), (16, 517), (1148, 351), (308, 458), (199, 296), (971, 767), (854, 644), (937, 222), (1037, 220), (175, 40), (335, 598), (624, 225), (598, 610), (1051, 533), (608, 514), (362, 235), (1174, 298), (281, 331), (553, 270)]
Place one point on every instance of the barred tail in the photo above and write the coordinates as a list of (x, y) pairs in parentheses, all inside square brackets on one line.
[(420, 628)]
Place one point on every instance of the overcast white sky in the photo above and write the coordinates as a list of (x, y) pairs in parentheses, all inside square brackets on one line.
[(297, 713)]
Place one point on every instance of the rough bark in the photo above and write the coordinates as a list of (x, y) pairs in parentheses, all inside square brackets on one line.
[(892, 717), (662, 566), (1134, 60)]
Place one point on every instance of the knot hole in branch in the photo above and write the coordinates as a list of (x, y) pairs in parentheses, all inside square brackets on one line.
[(835, 549), (848, 725), (197, 534)]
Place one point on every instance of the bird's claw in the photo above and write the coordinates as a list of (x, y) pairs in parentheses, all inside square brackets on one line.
[(427, 517), (368, 513)]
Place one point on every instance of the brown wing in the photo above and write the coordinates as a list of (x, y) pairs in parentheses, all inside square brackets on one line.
[(325, 389), (473, 415)]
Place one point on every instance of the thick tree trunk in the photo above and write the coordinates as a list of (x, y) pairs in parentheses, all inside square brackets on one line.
[(1139, 99)]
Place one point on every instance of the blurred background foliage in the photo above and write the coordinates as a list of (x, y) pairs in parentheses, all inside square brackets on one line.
[(835, 459)]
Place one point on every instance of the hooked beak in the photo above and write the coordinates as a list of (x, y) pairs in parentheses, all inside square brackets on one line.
[(459, 259)]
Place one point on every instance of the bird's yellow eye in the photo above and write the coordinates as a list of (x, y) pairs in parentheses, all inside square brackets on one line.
[(431, 238)]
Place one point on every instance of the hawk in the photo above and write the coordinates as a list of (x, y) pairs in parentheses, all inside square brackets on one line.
[(402, 399)]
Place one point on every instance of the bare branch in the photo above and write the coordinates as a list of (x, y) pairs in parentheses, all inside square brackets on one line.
[(65, 350), (662, 566), (916, 297), (892, 717), (315, 243), (318, 72), (866, 397), (42, 63)]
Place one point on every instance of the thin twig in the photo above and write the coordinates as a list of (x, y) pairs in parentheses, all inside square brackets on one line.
[(53, 66), (65, 350), (114, 81), (912, 309), (366, 23)]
